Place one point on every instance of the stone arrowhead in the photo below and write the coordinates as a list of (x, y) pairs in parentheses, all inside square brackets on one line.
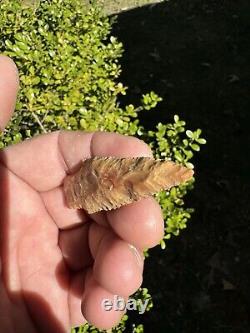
[(105, 183)]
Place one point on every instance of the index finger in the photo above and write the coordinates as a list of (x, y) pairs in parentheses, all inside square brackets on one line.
[(45, 160)]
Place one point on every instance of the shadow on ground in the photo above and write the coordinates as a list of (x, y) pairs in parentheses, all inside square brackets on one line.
[(195, 54)]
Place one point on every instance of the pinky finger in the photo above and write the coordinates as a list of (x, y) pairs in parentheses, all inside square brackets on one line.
[(98, 306)]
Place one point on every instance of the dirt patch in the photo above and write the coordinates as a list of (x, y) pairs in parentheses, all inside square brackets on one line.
[(195, 54)]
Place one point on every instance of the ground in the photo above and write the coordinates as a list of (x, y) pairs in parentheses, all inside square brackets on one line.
[(116, 6), (195, 54)]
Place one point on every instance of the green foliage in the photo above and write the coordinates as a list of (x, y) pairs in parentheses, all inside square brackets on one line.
[(69, 70), (173, 142), (143, 295)]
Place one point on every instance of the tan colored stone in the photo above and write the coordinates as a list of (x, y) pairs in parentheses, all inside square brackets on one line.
[(105, 183)]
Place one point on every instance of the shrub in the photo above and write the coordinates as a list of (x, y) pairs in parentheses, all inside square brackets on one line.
[(69, 70)]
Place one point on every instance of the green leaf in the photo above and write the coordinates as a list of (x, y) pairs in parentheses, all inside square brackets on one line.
[(201, 141), (176, 118), (195, 147), (189, 134)]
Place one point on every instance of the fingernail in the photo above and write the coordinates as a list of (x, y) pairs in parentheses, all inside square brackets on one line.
[(138, 256)]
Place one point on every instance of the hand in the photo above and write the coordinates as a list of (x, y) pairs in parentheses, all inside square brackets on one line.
[(57, 264)]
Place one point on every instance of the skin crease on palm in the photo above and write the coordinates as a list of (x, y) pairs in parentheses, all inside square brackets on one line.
[(58, 264)]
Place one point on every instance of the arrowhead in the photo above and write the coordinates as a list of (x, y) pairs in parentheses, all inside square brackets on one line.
[(105, 183)]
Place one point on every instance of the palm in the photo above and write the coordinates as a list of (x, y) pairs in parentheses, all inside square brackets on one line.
[(31, 271), (57, 263)]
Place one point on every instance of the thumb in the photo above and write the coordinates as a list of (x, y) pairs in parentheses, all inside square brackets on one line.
[(9, 85)]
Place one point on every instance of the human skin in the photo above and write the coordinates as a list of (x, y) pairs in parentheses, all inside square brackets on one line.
[(58, 264)]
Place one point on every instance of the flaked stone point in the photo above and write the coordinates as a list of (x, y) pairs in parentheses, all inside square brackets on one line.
[(105, 183)]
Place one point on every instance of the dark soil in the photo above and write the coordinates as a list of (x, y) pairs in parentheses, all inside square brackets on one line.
[(196, 55)]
